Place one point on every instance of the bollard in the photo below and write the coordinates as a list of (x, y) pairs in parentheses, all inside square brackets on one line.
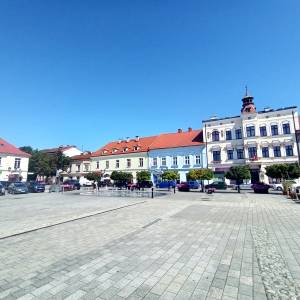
[(152, 193)]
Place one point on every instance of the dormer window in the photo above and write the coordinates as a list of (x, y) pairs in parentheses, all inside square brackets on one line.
[(136, 148), (104, 151), (125, 149), (115, 150)]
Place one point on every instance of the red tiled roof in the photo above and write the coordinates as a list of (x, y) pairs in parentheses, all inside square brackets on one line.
[(81, 156), (178, 139), (132, 146), (7, 148), (144, 144)]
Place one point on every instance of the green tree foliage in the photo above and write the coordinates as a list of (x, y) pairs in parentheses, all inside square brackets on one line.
[(200, 174), (43, 164), (121, 178), (283, 171), (143, 176), (170, 175), (238, 173), (93, 176)]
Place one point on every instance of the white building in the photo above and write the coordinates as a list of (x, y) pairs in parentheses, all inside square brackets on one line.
[(254, 138), (68, 151), (13, 162)]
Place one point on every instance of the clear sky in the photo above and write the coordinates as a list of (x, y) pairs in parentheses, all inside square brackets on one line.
[(88, 72)]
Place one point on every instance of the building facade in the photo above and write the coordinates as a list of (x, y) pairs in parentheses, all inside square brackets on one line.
[(68, 151), (130, 155), (13, 162), (181, 151), (254, 138)]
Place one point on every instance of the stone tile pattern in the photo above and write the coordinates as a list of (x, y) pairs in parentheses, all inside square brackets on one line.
[(198, 250)]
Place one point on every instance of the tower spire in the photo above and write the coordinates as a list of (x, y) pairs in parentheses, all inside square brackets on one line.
[(248, 104)]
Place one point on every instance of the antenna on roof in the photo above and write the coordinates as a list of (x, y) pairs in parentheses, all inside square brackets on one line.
[(246, 87)]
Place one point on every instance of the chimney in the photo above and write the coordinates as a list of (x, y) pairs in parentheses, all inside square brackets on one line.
[(179, 130), (190, 129), (137, 138), (127, 139)]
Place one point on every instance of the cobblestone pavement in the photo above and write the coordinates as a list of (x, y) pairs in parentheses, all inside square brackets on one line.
[(183, 246)]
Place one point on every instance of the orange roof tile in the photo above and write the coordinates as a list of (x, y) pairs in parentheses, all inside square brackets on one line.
[(178, 139), (124, 147), (81, 156)]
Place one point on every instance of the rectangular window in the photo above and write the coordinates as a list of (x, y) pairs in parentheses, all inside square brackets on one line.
[(155, 162), (186, 160), (263, 131), (117, 164), (98, 165), (78, 168), (215, 136), (107, 164), (230, 154), (289, 150), (252, 152), (141, 162), (163, 161), (265, 151), (277, 151), (238, 134), (274, 129), (286, 128), (216, 155), (174, 160), (250, 131), (228, 135), (17, 163), (86, 167), (240, 153), (128, 163), (198, 160)]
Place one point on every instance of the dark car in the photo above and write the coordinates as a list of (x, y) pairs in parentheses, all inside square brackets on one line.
[(36, 187), (218, 185), (74, 183), (145, 184), (2, 190), (166, 184), (193, 184), (5, 184), (17, 188), (261, 188), (183, 187)]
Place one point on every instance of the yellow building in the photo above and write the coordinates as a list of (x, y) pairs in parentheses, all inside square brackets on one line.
[(129, 155)]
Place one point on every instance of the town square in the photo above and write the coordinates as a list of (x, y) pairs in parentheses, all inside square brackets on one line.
[(149, 150)]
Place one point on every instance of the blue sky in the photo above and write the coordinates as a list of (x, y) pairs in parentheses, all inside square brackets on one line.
[(88, 72)]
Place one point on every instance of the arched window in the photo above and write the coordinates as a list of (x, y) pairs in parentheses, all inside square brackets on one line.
[(215, 136), (286, 129)]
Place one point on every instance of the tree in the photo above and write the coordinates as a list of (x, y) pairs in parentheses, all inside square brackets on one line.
[(284, 172), (93, 176), (170, 175), (238, 173), (143, 176), (200, 174), (121, 179)]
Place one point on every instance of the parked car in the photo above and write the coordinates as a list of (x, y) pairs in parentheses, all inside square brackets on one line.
[(193, 184), (261, 188), (218, 185), (244, 186), (166, 184), (74, 183), (17, 188), (145, 184), (279, 186), (2, 190), (5, 184), (36, 187), (183, 187), (66, 186)]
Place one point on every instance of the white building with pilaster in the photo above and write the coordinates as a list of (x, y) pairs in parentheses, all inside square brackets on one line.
[(254, 138)]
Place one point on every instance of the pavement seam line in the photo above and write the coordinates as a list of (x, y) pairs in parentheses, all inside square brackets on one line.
[(70, 220)]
